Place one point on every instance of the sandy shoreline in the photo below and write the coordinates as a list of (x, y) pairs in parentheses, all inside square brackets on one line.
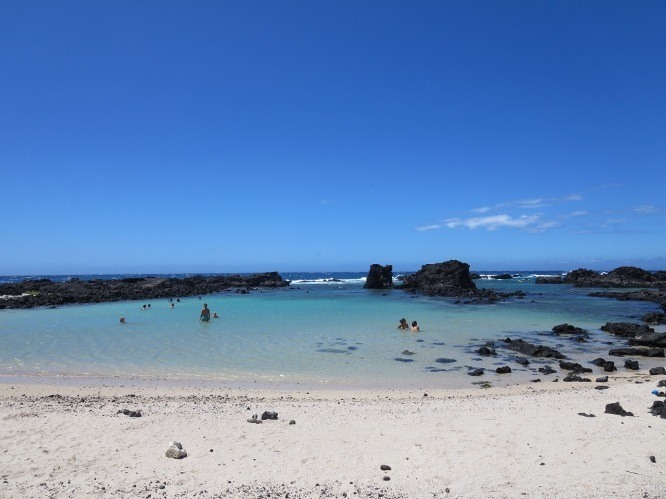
[(68, 440)]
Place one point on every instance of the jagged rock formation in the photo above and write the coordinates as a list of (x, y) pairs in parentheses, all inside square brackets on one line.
[(379, 277), (44, 292), (442, 279)]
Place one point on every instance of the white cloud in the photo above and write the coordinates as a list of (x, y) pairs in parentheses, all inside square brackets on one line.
[(492, 222), (645, 209), (429, 227), (483, 209)]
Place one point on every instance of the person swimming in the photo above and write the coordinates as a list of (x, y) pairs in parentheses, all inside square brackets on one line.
[(403, 324), (215, 316), (415, 327)]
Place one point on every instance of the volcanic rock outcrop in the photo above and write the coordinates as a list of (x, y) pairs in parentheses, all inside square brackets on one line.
[(450, 279), (379, 277), (44, 292)]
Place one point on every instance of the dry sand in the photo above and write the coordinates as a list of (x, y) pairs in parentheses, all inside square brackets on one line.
[(68, 440)]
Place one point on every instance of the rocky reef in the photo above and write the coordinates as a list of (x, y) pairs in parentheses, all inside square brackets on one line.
[(44, 292)]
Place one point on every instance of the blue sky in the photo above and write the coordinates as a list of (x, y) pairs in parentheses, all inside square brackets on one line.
[(220, 136)]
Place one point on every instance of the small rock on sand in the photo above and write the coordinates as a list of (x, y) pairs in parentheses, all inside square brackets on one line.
[(176, 451)]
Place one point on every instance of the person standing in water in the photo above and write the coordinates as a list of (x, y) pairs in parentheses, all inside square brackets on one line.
[(205, 313)]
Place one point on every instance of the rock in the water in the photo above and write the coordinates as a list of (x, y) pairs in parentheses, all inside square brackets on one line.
[(602, 379), (522, 361), (379, 277), (626, 329), (443, 360), (385, 467), (547, 370), (631, 364), (176, 451), (575, 367), (503, 370), (549, 280), (487, 350), (568, 329), (475, 372), (657, 371), (616, 408), (637, 352), (269, 415), (657, 340)]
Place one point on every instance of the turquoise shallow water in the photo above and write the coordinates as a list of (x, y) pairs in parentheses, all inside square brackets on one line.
[(319, 333)]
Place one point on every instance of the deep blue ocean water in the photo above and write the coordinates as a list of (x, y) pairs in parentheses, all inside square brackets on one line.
[(324, 330)]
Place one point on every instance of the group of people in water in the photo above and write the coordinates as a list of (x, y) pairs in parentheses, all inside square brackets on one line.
[(204, 316), (403, 325)]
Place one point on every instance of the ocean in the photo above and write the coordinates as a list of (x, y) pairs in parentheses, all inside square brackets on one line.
[(325, 330)]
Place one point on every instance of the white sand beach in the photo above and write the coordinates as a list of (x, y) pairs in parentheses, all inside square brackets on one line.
[(69, 440)]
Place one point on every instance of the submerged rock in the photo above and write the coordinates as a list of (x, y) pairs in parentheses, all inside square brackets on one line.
[(527, 348)]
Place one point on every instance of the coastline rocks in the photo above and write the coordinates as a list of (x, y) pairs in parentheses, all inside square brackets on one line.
[(571, 377), (547, 370), (649, 340), (526, 348), (269, 415), (549, 280), (657, 371), (654, 318), (621, 277), (601, 379), (637, 352), (379, 277), (568, 329), (574, 367), (626, 329), (658, 409), (176, 451), (487, 350), (44, 292), (616, 408), (476, 372), (503, 370), (631, 364)]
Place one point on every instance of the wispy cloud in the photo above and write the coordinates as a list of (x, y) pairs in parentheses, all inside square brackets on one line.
[(493, 222), (552, 215)]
